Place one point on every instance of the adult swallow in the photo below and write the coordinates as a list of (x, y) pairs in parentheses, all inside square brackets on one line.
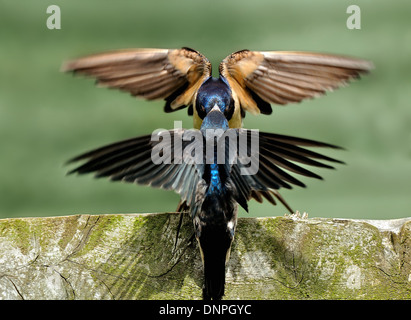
[(256, 78), (211, 187), (249, 81)]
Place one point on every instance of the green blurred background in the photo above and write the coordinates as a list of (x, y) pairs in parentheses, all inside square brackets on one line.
[(46, 117)]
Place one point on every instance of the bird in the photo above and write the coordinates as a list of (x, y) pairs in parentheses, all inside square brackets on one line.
[(217, 165), (257, 79), (212, 191)]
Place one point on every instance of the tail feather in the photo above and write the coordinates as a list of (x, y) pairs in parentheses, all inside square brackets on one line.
[(214, 277), (215, 246)]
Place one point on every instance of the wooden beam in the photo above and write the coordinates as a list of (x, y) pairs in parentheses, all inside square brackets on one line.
[(132, 256)]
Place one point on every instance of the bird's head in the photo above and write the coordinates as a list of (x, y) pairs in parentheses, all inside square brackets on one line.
[(214, 104)]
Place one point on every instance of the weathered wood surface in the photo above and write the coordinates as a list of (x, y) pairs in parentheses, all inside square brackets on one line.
[(133, 257)]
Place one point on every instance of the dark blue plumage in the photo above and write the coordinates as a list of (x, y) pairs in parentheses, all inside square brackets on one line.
[(211, 189), (215, 92), (216, 218)]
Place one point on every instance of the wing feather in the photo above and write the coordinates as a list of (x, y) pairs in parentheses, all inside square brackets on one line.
[(148, 73), (278, 157), (284, 77), (130, 161)]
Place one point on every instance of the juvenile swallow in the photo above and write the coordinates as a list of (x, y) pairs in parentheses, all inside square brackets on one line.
[(256, 78), (212, 189)]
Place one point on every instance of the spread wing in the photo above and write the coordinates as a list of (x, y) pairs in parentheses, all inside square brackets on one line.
[(279, 158), (171, 74), (131, 161), (259, 78)]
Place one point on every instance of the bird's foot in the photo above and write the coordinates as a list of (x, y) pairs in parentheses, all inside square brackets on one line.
[(297, 215)]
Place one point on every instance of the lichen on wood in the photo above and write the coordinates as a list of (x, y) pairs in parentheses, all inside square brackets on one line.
[(133, 256)]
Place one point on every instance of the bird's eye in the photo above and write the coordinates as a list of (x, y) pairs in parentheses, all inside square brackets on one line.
[(229, 110), (201, 110)]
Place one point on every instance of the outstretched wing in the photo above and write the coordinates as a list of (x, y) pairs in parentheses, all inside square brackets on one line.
[(278, 158), (259, 78), (132, 161), (171, 74)]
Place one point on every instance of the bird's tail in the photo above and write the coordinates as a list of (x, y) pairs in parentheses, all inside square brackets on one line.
[(214, 277), (215, 256)]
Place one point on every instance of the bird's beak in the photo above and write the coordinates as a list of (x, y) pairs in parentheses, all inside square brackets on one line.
[(215, 119), (215, 108)]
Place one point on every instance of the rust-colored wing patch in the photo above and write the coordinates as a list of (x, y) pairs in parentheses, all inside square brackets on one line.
[(284, 77), (236, 68), (171, 74)]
